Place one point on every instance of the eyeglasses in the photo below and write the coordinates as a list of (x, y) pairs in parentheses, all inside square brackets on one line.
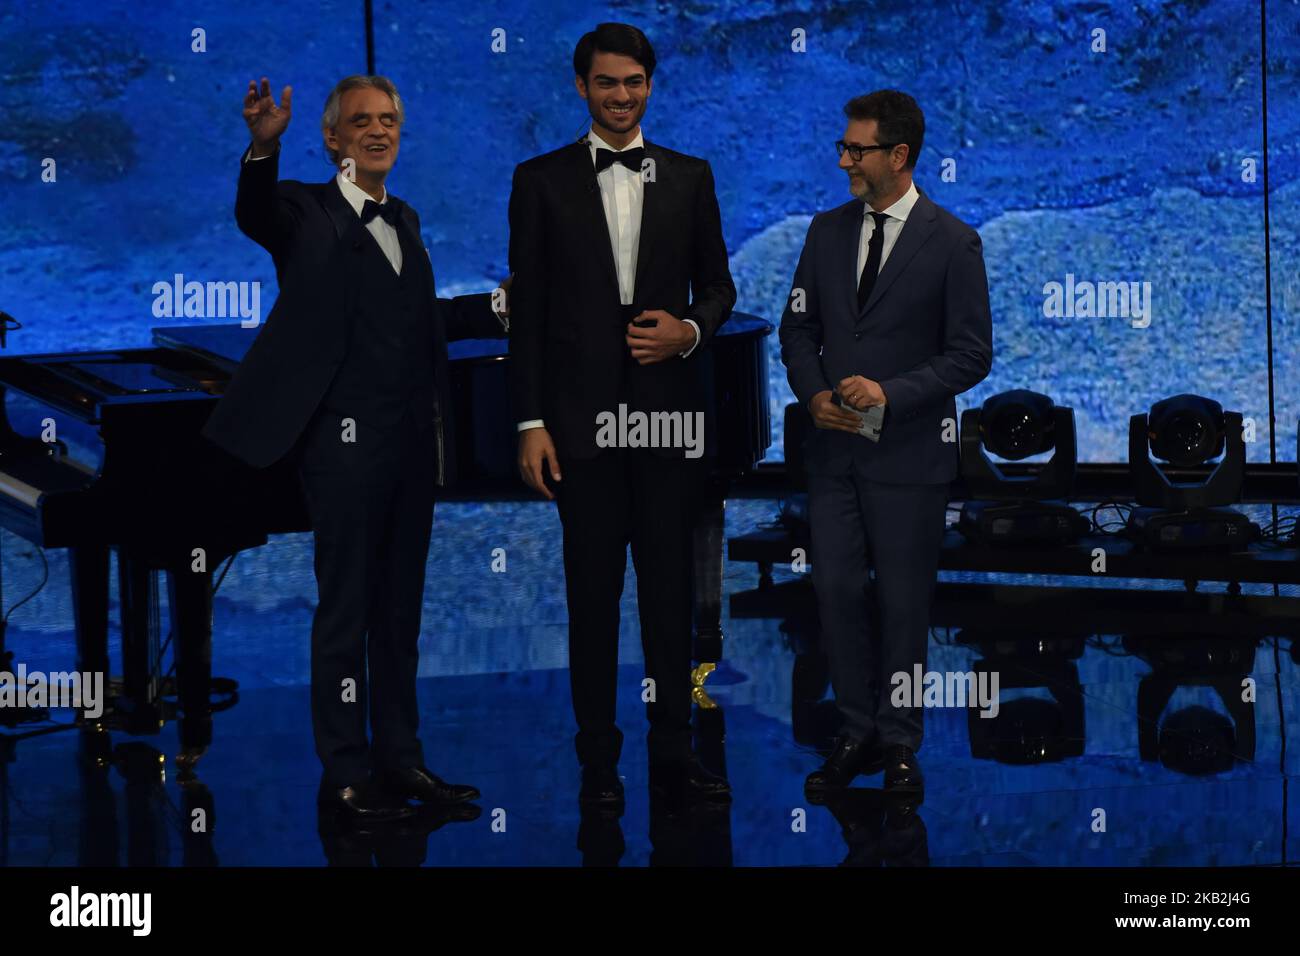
[(857, 152)]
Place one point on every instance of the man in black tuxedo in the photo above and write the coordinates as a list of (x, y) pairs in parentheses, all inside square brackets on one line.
[(890, 307), (349, 375), (621, 274)]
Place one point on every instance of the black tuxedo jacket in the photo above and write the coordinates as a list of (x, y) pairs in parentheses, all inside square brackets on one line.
[(311, 233), (925, 334), (568, 355)]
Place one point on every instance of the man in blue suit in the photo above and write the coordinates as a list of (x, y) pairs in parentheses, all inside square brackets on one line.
[(889, 308)]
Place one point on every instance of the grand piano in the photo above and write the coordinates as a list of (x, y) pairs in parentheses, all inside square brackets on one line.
[(100, 452)]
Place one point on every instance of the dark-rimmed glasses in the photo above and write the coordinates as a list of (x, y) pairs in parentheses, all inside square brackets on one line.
[(857, 152)]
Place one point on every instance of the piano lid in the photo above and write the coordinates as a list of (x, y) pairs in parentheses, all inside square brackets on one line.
[(223, 345), (82, 383)]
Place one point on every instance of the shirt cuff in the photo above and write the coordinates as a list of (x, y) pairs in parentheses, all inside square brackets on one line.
[(250, 158), (691, 323), (531, 423)]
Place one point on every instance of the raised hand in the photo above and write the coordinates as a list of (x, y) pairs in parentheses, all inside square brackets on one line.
[(266, 121)]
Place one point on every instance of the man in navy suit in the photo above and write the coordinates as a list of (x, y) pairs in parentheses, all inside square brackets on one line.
[(889, 308), (349, 377)]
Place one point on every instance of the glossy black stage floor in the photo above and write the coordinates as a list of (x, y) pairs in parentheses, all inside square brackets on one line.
[(1144, 731)]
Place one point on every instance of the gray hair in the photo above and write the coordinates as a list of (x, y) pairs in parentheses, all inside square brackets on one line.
[(330, 118)]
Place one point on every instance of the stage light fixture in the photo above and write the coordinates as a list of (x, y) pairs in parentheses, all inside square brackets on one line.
[(1185, 431), (1194, 739), (1005, 509), (1046, 723)]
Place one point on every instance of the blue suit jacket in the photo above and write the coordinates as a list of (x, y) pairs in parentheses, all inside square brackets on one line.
[(925, 335)]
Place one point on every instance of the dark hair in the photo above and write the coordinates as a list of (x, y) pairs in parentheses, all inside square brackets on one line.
[(613, 38), (898, 119)]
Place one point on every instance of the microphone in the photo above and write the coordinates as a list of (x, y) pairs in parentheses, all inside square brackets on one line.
[(585, 140), (7, 324)]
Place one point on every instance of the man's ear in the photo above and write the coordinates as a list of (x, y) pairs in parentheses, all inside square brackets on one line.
[(331, 140), (581, 84)]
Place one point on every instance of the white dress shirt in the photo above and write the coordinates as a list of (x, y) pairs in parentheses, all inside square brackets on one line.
[(384, 234), (897, 214), (622, 193)]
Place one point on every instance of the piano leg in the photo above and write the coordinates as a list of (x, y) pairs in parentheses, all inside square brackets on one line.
[(190, 598), (89, 571), (708, 586), (140, 702)]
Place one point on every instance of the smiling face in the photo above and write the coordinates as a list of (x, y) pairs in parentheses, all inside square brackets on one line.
[(879, 173), (616, 90), (368, 133)]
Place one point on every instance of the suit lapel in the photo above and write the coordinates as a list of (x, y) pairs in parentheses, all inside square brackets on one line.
[(414, 246), (848, 233), (583, 187), (655, 209), (344, 219), (336, 207), (916, 230)]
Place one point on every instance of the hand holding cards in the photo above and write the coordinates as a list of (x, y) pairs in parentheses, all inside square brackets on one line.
[(870, 419), (857, 390)]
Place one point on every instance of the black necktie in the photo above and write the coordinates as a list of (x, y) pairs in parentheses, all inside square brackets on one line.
[(388, 211), (867, 281), (631, 158)]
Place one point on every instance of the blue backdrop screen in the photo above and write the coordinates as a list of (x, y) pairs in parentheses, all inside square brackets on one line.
[(1118, 143)]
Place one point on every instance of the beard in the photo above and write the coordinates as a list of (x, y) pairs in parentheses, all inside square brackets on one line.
[(868, 190), (632, 118)]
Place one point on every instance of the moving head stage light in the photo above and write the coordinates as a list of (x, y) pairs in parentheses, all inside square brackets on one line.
[(1017, 509), (1186, 431)]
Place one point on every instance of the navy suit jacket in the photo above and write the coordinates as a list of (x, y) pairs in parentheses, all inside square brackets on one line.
[(925, 335), (314, 238)]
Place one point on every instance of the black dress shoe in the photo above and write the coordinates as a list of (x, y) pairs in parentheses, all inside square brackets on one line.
[(601, 786), (690, 780), (902, 771), (419, 783), (850, 758), (363, 802), (705, 784)]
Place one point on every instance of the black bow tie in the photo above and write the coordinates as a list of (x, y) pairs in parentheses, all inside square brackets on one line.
[(631, 158), (389, 211)]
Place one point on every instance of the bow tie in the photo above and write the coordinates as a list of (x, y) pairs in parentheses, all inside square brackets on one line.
[(631, 158), (390, 212)]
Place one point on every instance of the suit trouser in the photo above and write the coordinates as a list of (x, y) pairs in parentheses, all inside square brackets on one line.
[(873, 629), (619, 497), (371, 508)]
